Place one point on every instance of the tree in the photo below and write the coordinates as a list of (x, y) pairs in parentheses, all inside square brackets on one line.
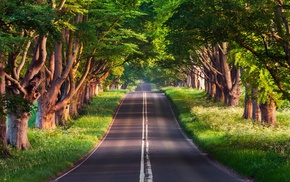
[(97, 41), (3, 145), (26, 24), (260, 27), (212, 54)]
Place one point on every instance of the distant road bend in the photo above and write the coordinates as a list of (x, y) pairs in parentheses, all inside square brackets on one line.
[(146, 144)]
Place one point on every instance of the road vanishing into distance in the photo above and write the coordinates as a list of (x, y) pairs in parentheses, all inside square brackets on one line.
[(146, 144)]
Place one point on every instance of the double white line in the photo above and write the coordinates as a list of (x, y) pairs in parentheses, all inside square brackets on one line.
[(145, 168)]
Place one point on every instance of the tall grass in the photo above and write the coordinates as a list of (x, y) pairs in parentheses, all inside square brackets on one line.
[(253, 150), (58, 149)]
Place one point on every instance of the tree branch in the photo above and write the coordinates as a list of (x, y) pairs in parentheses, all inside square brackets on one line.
[(19, 87), (20, 66)]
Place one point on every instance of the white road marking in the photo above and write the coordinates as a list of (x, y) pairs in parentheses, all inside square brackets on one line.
[(142, 173), (145, 168)]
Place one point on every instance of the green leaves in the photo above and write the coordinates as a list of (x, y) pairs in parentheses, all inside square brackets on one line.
[(260, 27), (31, 17), (14, 104)]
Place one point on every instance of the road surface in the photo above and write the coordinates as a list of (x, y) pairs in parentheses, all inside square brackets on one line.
[(146, 144)]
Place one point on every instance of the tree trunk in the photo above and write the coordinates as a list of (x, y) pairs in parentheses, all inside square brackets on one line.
[(234, 96), (188, 80), (3, 141), (256, 111), (207, 87), (62, 115), (220, 94), (81, 96), (92, 90), (50, 102), (45, 118), (27, 89), (73, 109), (248, 108), (17, 130), (201, 81), (268, 111), (43, 114), (87, 94), (213, 89), (96, 88)]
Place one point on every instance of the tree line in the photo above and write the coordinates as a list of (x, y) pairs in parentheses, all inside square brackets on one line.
[(231, 45), (56, 53)]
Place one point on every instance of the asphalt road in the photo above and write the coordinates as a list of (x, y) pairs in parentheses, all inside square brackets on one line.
[(145, 143)]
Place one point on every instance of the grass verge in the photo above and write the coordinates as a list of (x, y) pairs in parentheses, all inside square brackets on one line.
[(255, 151), (58, 149)]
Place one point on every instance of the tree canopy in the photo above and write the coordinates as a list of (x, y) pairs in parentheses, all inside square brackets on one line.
[(58, 52)]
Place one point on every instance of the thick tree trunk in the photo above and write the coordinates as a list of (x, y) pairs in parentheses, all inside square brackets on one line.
[(4, 152), (44, 118), (26, 89), (50, 102), (234, 96), (62, 115), (3, 141), (73, 109), (207, 87), (201, 81), (87, 94), (81, 96), (248, 105), (213, 89), (45, 121), (268, 111), (248, 108), (96, 89), (230, 79), (194, 77), (256, 111), (220, 95), (188, 80), (92, 91), (17, 130)]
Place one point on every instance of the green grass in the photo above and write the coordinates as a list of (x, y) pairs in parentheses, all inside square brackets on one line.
[(258, 152), (58, 149)]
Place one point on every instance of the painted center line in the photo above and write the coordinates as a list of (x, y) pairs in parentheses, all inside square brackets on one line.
[(145, 165)]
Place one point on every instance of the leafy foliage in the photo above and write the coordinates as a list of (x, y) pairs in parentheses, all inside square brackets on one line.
[(14, 104), (258, 27)]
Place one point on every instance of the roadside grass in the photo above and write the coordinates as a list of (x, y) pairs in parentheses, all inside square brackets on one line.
[(251, 149), (58, 149)]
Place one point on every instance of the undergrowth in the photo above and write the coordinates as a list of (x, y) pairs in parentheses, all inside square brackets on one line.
[(251, 149)]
